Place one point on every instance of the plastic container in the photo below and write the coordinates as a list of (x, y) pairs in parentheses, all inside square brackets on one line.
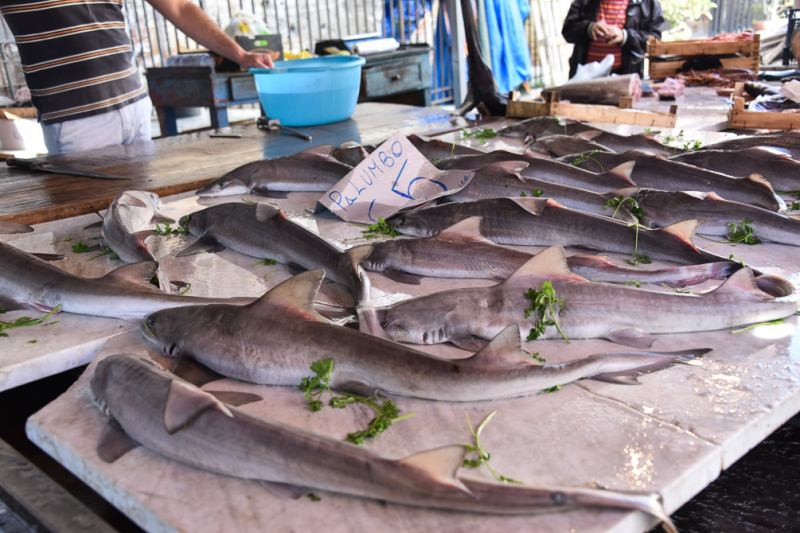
[(308, 92)]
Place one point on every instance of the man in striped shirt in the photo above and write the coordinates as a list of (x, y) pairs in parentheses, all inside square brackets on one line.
[(79, 66), (618, 27)]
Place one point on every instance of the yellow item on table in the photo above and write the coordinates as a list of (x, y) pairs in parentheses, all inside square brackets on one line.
[(305, 54), (332, 50)]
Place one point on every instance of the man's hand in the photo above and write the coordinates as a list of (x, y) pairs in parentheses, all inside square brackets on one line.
[(600, 31), (614, 35), (251, 60)]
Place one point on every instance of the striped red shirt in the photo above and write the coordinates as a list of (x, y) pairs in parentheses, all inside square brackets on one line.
[(612, 12)]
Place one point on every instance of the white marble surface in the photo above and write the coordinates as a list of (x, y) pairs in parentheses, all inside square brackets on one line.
[(673, 434)]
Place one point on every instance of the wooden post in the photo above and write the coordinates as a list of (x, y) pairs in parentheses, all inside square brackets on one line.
[(458, 53)]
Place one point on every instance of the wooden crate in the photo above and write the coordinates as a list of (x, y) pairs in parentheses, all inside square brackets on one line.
[(624, 114), (665, 64), (741, 119)]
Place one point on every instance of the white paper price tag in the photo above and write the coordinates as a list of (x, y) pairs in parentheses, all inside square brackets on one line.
[(395, 176)]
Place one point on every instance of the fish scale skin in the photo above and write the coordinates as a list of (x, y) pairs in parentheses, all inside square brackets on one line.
[(783, 173)]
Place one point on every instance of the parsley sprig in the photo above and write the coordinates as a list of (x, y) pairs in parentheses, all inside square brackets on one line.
[(315, 387), (482, 135), (380, 229), (24, 321), (81, 247), (637, 258), (483, 455), (617, 202), (169, 230), (743, 232), (543, 301), (588, 157), (537, 193)]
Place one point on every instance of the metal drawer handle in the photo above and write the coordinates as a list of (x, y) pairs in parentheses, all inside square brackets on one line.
[(396, 77)]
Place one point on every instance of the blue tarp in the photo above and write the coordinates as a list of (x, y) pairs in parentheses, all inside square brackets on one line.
[(511, 57)]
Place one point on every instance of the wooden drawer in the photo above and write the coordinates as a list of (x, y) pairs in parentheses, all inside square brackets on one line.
[(384, 80)]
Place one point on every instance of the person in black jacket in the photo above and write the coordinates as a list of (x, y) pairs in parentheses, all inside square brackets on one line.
[(643, 18)]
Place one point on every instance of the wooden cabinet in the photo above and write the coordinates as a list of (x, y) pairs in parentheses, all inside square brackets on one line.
[(398, 75)]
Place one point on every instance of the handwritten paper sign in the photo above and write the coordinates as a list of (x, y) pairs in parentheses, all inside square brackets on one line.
[(393, 177)]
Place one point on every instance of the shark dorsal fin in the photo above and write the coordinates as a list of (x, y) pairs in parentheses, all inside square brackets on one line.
[(323, 150), (468, 230), (504, 350), (625, 171), (138, 273), (550, 263), (758, 179), (649, 134), (441, 464), (293, 298), (589, 135), (699, 195), (503, 168), (534, 206), (265, 212), (185, 403), (683, 231), (742, 282)]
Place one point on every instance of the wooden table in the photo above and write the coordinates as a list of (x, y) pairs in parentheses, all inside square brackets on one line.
[(178, 164)]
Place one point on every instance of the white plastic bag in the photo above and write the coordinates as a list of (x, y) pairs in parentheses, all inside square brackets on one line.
[(245, 24), (594, 70)]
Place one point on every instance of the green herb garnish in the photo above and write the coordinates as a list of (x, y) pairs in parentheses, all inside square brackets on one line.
[(314, 387), (108, 251), (617, 202), (380, 229), (81, 247), (32, 342), (794, 206), (679, 291), (481, 135), (734, 258), (637, 258), (184, 291), (268, 274), (537, 193), (692, 145), (68, 239), (743, 232), (772, 323), (265, 262), (588, 157), (25, 321), (634, 283), (552, 389), (543, 300), (483, 455), (168, 230), (313, 497), (537, 357)]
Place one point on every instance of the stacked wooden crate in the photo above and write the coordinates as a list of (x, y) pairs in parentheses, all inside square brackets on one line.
[(666, 59)]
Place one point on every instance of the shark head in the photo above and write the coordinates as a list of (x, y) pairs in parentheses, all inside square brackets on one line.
[(226, 185), (413, 224), (164, 328)]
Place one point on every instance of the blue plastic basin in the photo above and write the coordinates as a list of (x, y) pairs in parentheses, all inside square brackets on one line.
[(308, 92)]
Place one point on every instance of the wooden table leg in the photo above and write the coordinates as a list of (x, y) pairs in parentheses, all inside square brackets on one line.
[(167, 121), (219, 117)]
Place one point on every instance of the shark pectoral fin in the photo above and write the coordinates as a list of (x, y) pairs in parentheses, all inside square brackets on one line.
[(159, 219), (235, 398), (267, 193), (94, 225), (10, 304), (293, 298), (471, 343), (129, 199), (441, 464), (468, 230), (114, 442), (503, 350), (203, 244), (550, 263), (185, 403), (625, 171), (618, 380), (285, 490), (323, 150), (137, 273), (630, 337), (6, 226), (142, 235), (401, 277), (49, 257), (194, 372)]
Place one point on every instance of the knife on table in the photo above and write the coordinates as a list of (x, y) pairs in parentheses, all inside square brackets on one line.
[(42, 165)]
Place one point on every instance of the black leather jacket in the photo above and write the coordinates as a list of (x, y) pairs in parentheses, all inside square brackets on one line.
[(643, 19)]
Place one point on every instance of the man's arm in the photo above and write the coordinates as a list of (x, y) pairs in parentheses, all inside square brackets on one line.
[(192, 21)]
